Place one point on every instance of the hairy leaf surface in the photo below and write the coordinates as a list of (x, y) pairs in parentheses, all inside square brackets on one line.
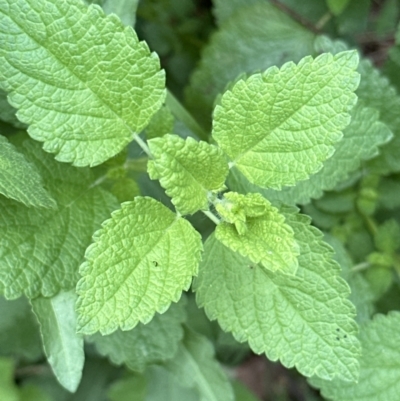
[(145, 344), (41, 249), (92, 84), (20, 180), (254, 39), (194, 366), (379, 364), (278, 127), (62, 345), (375, 91), (361, 141), (257, 230), (139, 263), (304, 320), (188, 170)]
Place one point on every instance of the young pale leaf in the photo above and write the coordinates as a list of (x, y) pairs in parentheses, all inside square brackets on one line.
[(62, 345), (92, 84), (194, 366), (188, 170), (278, 127), (379, 365), (145, 344), (41, 249), (139, 263), (361, 140), (304, 320), (19, 330), (20, 180), (245, 43), (264, 238)]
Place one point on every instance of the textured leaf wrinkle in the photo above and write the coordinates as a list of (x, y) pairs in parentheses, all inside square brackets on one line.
[(111, 80), (279, 141)]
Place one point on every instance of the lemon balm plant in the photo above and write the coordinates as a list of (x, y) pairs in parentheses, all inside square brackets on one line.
[(103, 262)]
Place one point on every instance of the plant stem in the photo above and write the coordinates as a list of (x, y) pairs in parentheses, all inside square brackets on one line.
[(360, 267), (323, 21), (212, 216), (143, 145), (183, 115), (302, 21)]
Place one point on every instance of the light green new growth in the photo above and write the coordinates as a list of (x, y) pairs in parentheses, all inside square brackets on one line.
[(379, 364), (20, 180), (190, 171), (145, 344), (8, 387), (235, 208), (62, 345), (278, 127), (304, 320), (256, 229), (194, 366), (41, 249), (361, 140), (139, 263), (93, 85)]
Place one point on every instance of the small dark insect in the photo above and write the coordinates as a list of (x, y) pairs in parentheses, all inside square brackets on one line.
[(337, 338), (338, 329), (251, 267), (344, 336), (155, 263)]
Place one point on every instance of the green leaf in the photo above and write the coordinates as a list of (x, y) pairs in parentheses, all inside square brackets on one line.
[(62, 346), (376, 92), (379, 365), (162, 123), (149, 343), (20, 180), (189, 170), (275, 139), (139, 263), (245, 44), (31, 392), (337, 6), (262, 234), (304, 320), (163, 386), (19, 331), (362, 295), (41, 249), (80, 79), (132, 388), (361, 140), (8, 389), (7, 112), (387, 237), (194, 366), (125, 9)]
